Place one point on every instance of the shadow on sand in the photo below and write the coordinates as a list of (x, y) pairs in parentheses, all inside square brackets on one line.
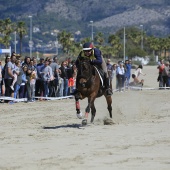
[(78, 126)]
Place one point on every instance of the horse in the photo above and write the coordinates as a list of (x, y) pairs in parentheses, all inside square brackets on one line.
[(89, 86)]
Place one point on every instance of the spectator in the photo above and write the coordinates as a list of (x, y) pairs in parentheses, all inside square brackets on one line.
[(165, 74), (19, 73), (39, 87), (33, 77), (28, 74), (46, 74), (64, 76), (128, 67), (120, 77), (8, 78), (22, 91), (139, 72), (114, 68), (109, 70), (54, 83), (1, 68), (160, 78), (15, 74)]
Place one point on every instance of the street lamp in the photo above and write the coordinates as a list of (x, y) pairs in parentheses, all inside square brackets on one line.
[(91, 30), (141, 36), (56, 44), (30, 42), (124, 44), (15, 42)]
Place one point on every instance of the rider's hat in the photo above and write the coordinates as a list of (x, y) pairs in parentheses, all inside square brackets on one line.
[(88, 46)]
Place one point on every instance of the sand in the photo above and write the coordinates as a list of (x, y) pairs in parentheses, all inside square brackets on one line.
[(47, 135)]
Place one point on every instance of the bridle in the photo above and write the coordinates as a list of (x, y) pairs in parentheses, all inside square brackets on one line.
[(85, 72)]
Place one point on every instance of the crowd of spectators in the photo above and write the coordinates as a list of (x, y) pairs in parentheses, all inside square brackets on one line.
[(164, 74), (122, 72), (36, 81)]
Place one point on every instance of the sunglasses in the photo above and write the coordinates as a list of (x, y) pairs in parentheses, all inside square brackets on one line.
[(87, 51)]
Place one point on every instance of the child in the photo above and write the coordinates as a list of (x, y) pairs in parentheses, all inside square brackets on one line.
[(15, 74), (32, 84)]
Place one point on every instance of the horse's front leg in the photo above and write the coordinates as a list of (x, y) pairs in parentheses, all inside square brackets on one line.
[(87, 110), (79, 113), (109, 104), (93, 112)]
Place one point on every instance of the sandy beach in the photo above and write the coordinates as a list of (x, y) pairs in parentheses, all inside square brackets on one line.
[(47, 135)]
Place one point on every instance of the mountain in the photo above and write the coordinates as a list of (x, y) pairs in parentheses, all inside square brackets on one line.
[(107, 15)]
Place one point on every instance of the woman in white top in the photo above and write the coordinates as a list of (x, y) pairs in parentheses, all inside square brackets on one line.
[(139, 72), (120, 76)]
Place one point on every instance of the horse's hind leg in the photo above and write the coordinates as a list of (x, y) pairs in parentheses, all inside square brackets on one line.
[(93, 109), (109, 105)]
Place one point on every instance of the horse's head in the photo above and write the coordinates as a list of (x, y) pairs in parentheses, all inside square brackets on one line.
[(85, 71), (85, 68)]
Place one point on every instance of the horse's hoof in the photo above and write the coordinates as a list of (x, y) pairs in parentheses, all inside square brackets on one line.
[(80, 115), (84, 122)]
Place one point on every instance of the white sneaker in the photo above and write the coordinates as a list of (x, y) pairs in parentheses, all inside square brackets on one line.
[(12, 88)]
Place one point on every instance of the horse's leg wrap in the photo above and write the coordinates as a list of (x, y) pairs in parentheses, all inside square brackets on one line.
[(77, 105)]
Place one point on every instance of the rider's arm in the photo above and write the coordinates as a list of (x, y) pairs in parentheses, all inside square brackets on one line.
[(97, 54)]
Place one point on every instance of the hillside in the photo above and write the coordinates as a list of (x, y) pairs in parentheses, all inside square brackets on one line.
[(108, 16)]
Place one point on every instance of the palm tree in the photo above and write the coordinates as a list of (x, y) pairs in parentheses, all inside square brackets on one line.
[(6, 28), (115, 43), (66, 39), (21, 31), (154, 44), (165, 45), (84, 40), (99, 38)]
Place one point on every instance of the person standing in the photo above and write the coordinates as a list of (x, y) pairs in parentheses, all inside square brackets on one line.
[(46, 74), (64, 76), (165, 74), (128, 68), (109, 70), (1, 78), (39, 87), (28, 74), (8, 78), (22, 91), (54, 83), (33, 77), (160, 78), (120, 77)]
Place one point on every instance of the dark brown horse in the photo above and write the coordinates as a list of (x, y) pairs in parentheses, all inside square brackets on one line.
[(89, 85)]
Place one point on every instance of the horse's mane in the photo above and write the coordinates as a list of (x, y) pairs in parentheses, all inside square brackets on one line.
[(85, 69)]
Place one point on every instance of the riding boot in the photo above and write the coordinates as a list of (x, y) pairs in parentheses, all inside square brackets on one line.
[(107, 86)]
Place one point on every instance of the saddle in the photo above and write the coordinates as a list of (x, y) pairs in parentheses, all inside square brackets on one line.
[(101, 75)]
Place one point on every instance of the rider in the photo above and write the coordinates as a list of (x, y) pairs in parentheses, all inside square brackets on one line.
[(96, 58)]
